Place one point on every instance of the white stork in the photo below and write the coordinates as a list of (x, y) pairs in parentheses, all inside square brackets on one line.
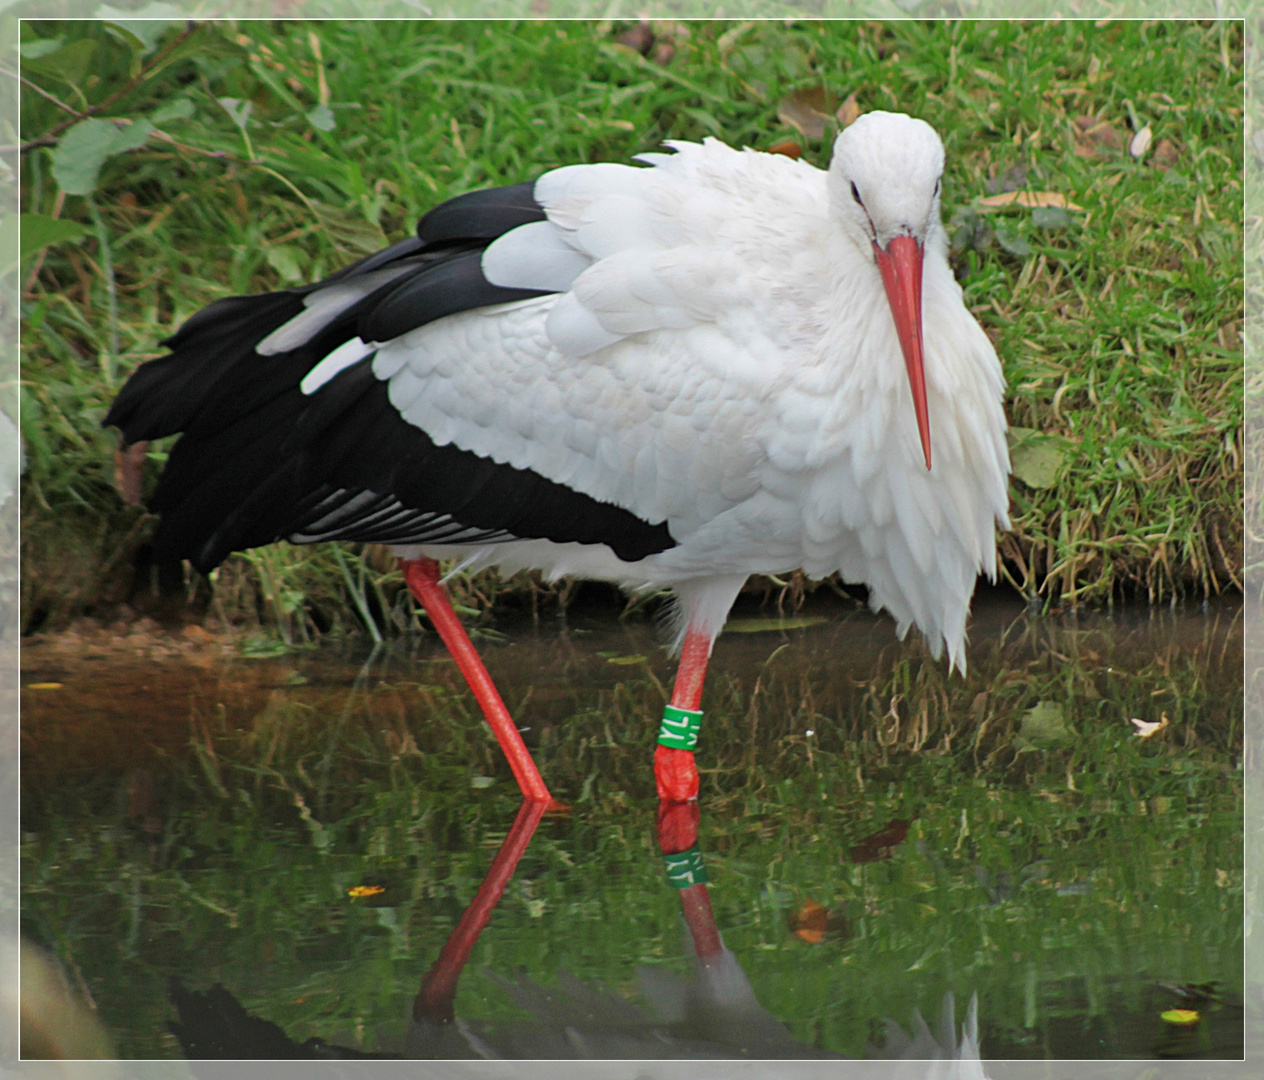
[(666, 377)]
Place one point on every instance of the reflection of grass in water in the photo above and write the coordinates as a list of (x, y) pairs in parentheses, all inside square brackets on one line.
[(1032, 876)]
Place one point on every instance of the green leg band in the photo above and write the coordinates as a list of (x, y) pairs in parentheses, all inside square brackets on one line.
[(685, 868), (679, 729)]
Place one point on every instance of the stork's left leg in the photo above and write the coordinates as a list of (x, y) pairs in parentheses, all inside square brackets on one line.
[(422, 578)]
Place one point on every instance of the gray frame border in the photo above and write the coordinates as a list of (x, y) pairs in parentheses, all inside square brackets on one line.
[(1253, 1066)]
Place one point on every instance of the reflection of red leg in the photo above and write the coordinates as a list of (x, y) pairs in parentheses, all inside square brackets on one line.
[(438, 989), (677, 832), (422, 577), (695, 903), (675, 772), (677, 825)]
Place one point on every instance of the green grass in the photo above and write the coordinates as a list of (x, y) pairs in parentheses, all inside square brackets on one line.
[(1118, 324)]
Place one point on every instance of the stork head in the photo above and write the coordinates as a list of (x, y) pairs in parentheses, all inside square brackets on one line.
[(884, 185)]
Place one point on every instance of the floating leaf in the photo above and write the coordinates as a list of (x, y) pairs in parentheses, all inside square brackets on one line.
[(40, 230), (806, 111), (1036, 457), (1147, 729), (1028, 199), (810, 922), (626, 661), (1044, 725), (263, 648), (1180, 1017), (763, 626), (478, 783)]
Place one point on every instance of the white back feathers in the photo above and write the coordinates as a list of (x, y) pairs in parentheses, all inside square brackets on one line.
[(720, 355)]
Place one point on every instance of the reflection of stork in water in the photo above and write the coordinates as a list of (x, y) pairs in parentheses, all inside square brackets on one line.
[(712, 1013)]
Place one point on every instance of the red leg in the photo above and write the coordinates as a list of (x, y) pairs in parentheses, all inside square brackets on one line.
[(422, 577), (675, 772)]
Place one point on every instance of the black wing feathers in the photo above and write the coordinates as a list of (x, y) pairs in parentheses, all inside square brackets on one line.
[(260, 460), (480, 215), (456, 284)]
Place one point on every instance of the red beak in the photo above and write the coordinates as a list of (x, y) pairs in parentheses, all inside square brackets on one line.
[(901, 266)]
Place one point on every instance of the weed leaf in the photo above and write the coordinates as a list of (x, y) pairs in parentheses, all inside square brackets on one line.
[(40, 230), (78, 158), (1036, 458)]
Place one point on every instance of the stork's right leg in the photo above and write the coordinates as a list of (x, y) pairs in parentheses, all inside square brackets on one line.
[(422, 578), (675, 771)]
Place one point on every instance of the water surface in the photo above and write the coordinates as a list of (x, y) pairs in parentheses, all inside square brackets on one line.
[(308, 830)]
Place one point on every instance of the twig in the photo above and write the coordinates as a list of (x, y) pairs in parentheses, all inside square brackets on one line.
[(45, 94)]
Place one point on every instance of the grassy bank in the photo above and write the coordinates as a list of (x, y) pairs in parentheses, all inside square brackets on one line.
[(259, 155)]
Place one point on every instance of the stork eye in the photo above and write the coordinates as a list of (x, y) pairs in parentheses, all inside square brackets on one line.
[(855, 194)]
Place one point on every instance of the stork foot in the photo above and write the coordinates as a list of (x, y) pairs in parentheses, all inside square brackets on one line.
[(676, 774)]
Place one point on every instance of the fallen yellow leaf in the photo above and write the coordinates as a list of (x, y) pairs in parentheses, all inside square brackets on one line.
[(43, 686), (1028, 199), (1180, 1016), (365, 890)]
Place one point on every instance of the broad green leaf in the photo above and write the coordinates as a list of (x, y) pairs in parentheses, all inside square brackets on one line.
[(180, 109), (322, 118), (146, 25), (238, 111), (33, 50), (78, 158), (70, 63), (132, 137), (40, 230), (1036, 458)]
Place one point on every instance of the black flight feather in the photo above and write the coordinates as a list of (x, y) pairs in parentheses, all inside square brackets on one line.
[(260, 460)]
